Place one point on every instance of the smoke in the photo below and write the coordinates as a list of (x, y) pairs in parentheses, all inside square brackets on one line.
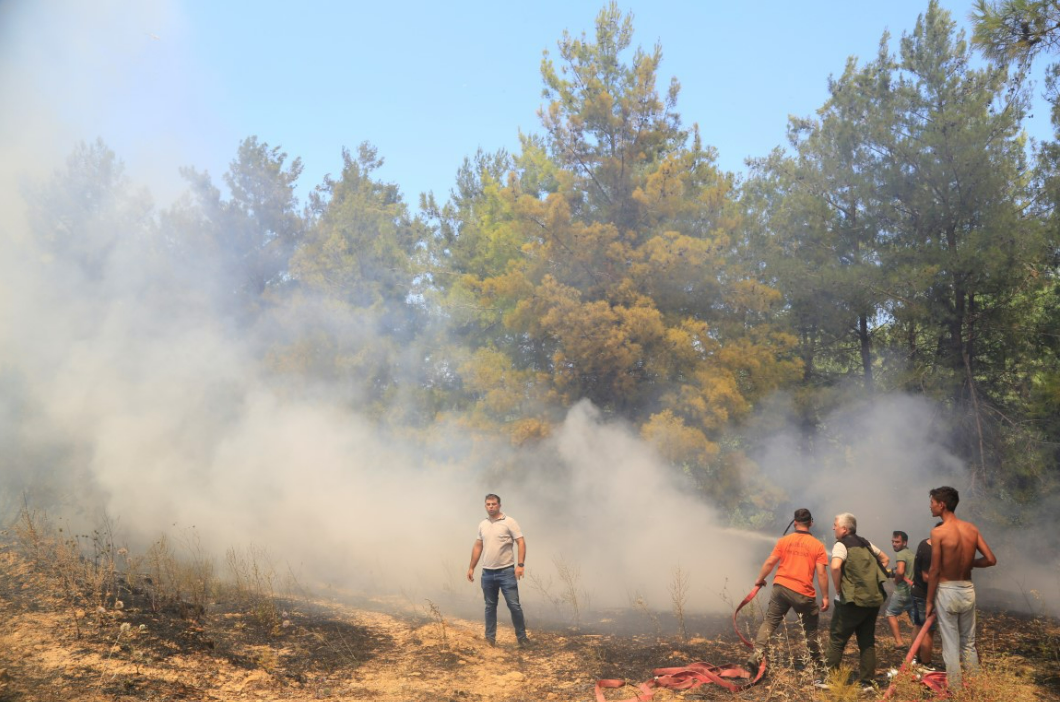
[(127, 389), (878, 458), (875, 459), (128, 392), (172, 424)]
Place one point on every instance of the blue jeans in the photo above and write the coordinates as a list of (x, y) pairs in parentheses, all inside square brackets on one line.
[(921, 613), (903, 602), (502, 580)]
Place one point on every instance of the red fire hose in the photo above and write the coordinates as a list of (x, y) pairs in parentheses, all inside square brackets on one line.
[(935, 680), (731, 677), (695, 674)]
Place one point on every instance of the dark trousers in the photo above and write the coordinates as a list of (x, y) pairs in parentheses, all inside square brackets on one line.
[(504, 582), (781, 600), (847, 620)]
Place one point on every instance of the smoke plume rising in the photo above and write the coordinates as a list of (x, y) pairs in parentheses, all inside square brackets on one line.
[(132, 392)]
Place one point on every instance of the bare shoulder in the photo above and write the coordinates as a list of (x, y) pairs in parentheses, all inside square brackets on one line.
[(951, 536), (941, 533), (968, 530)]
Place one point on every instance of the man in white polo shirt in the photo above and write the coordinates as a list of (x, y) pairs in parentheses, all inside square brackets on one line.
[(500, 571)]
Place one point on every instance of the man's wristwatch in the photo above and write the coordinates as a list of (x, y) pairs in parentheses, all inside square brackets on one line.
[(520, 565)]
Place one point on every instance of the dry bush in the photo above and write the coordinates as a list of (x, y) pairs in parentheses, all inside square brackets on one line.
[(574, 597), (252, 584), (82, 566), (101, 575), (789, 651), (679, 587), (292, 588), (842, 686), (571, 597), (172, 580), (94, 574), (436, 615), (637, 602), (543, 586), (792, 671)]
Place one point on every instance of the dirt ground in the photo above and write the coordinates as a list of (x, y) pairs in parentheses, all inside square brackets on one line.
[(52, 651)]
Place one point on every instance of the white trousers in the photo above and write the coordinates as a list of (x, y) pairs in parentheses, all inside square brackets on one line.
[(955, 608)]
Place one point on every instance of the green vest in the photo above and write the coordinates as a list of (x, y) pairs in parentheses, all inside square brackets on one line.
[(863, 578)]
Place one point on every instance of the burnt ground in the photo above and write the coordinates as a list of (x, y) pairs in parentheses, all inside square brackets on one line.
[(305, 649)]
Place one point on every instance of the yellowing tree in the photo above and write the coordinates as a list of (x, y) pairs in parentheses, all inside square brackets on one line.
[(622, 279)]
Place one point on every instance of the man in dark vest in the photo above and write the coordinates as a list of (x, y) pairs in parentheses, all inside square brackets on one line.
[(858, 570)]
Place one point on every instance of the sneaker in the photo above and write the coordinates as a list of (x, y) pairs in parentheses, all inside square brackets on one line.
[(820, 684), (868, 687), (525, 643), (491, 642)]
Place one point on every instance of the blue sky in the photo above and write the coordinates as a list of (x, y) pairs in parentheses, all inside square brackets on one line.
[(179, 82)]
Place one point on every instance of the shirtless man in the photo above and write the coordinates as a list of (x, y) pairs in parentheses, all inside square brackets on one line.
[(951, 595)]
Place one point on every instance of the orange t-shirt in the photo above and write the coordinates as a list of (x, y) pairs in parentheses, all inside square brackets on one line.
[(799, 553)]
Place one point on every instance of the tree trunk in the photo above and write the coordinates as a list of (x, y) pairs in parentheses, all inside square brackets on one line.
[(865, 344)]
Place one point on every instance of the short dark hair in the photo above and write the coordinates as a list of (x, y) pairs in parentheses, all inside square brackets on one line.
[(495, 497), (803, 516), (905, 536), (947, 496)]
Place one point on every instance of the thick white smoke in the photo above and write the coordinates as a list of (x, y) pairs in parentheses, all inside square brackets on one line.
[(878, 458), (131, 394)]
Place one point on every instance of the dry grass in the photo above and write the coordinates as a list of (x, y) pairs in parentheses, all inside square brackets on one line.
[(81, 567), (998, 681), (87, 620), (252, 585)]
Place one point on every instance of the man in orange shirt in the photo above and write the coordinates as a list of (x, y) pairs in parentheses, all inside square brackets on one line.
[(800, 555)]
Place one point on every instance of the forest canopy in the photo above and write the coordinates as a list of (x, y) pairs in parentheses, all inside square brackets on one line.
[(904, 242)]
